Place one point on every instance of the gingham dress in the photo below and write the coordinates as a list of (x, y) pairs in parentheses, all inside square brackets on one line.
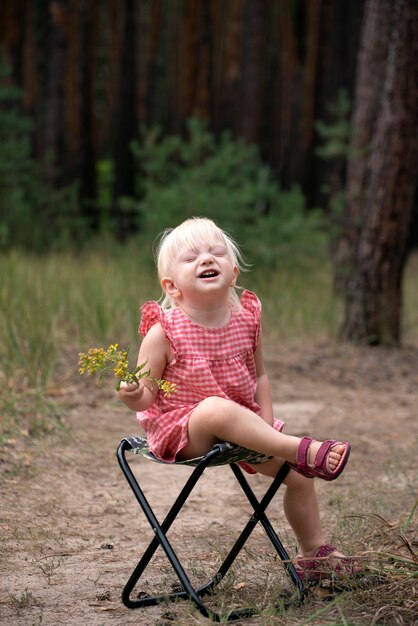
[(207, 362)]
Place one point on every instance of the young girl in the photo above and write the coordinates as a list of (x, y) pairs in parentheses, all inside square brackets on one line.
[(207, 341)]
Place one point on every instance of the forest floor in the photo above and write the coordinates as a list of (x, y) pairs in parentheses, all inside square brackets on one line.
[(71, 532)]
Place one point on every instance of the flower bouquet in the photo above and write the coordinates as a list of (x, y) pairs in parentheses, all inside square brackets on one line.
[(100, 361)]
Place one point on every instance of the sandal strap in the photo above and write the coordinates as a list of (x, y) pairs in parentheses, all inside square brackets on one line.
[(317, 567), (302, 453), (323, 452), (324, 550)]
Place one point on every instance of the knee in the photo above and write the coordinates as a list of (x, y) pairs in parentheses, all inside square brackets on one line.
[(213, 403), (216, 409), (296, 482)]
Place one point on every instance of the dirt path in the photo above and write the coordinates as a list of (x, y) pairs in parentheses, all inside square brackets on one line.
[(71, 530)]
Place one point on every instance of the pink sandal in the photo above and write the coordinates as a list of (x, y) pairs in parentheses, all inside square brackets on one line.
[(319, 567), (320, 466)]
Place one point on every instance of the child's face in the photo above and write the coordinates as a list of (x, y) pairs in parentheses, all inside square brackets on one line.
[(202, 272)]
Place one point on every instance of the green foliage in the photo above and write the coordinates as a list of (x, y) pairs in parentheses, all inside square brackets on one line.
[(105, 175), (336, 134), (15, 163), (225, 180), (31, 214)]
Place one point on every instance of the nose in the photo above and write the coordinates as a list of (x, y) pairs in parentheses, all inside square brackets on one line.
[(206, 258)]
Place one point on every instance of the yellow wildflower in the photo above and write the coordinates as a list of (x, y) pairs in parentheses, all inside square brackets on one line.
[(99, 360)]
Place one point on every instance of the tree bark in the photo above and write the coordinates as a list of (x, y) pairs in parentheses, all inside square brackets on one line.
[(30, 77), (87, 76), (227, 37), (54, 123), (148, 40), (202, 99), (126, 120), (253, 71), (284, 72), (371, 71), (387, 182)]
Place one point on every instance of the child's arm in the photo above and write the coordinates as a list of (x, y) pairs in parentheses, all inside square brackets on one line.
[(154, 350), (263, 390)]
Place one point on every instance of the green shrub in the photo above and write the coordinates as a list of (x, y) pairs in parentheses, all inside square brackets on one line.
[(335, 146), (227, 181)]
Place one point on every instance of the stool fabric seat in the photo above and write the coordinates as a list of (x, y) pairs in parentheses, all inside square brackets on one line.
[(230, 454), (222, 453)]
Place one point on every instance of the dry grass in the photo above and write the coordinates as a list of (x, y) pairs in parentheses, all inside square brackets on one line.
[(386, 595)]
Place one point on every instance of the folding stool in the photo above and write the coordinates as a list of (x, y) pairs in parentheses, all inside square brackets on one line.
[(221, 454)]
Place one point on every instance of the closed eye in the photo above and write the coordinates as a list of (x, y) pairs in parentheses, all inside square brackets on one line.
[(218, 251), (188, 257)]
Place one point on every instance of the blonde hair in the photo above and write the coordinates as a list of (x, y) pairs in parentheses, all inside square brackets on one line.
[(188, 235)]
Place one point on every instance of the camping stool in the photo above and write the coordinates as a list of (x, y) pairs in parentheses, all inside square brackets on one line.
[(221, 454)]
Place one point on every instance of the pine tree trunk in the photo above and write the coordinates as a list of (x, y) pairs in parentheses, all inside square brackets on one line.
[(227, 37), (253, 65), (54, 147), (87, 157), (202, 99), (148, 40), (373, 291), (126, 121), (371, 71), (283, 90), (30, 77)]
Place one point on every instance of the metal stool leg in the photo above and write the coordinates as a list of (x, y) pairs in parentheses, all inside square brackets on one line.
[(259, 515), (160, 531), (160, 539)]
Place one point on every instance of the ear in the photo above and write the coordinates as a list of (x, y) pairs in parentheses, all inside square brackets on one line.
[(236, 274), (169, 287)]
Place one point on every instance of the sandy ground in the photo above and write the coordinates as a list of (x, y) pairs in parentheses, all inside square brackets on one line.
[(71, 531)]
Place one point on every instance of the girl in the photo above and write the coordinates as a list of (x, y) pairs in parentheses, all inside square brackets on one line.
[(207, 341)]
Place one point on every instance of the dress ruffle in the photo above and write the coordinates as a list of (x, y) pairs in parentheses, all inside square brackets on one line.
[(152, 313), (252, 304)]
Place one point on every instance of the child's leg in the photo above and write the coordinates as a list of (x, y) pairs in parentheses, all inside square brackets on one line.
[(300, 505), (219, 419)]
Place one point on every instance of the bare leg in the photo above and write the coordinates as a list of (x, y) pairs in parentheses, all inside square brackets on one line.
[(300, 505), (219, 419)]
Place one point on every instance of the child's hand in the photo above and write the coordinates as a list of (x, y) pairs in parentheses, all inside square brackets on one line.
[(130, 392), (129, 386)]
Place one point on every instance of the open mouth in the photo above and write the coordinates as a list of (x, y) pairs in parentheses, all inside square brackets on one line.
[(209, 274)]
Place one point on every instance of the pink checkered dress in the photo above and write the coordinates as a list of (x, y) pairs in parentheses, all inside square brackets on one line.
[(207, 362)]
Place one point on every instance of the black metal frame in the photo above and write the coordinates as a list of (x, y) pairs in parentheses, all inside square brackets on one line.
[(161, 529)]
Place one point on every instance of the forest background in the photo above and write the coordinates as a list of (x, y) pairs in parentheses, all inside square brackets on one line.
[(293, 123), (119, 119)]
